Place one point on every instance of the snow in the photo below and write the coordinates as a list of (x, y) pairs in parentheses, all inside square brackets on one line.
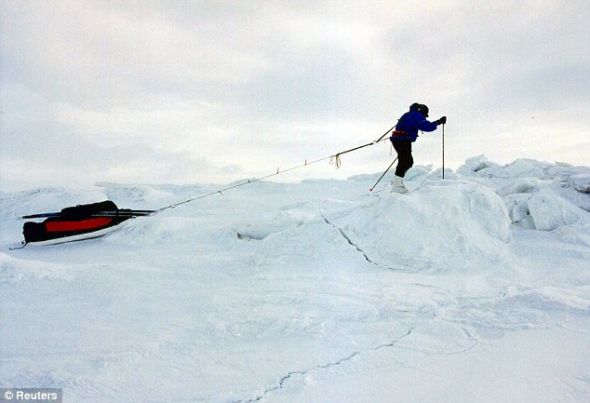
[(475, 288), (580, 182)]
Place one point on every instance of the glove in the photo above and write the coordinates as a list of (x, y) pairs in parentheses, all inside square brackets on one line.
[(441, 121)]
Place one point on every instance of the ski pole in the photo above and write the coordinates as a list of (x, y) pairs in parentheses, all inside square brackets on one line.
[(381, 177), (443, 151)]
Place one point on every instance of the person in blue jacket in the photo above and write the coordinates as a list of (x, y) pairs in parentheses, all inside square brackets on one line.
[(405, 133)]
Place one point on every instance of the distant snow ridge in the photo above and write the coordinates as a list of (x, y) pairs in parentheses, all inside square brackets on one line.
[(477, 165), (137, 195), (520, 168), (538, 195)]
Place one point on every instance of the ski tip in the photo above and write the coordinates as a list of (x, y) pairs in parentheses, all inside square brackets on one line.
[(17, 246)]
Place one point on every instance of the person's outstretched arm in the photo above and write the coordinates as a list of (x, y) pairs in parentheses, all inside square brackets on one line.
[(427, 126)]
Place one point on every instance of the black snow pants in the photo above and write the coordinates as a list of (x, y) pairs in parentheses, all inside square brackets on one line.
[(404, 157)]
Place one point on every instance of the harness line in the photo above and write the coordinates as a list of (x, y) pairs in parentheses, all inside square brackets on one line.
[(334, 159)]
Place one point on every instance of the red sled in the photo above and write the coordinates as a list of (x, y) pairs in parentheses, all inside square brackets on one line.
[(86, 221)]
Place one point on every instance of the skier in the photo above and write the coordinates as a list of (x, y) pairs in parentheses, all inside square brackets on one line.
[(405, 133)]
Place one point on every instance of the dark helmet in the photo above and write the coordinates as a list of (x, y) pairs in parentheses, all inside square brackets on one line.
[(423, 109)]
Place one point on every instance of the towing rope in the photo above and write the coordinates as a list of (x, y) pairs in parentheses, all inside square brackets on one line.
[(334, 159)]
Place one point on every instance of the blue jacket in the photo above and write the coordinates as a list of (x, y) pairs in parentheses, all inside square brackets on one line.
[(410, 123)]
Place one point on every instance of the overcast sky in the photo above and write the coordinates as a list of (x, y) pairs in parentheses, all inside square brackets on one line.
[(215, 91)]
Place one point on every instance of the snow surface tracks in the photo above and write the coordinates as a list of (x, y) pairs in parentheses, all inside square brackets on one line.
[(320, 367)]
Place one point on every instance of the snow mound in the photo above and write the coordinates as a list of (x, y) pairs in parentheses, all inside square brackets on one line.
[(580, 182), (262, 229), (435, 226), (479, 165), (155, 230), (523, 185), (538, 195), (542, 210), (300, 243), (522, 168), (137, 196), (549, 211)]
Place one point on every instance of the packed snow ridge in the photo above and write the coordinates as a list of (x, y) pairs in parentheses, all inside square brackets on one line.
[(471, 288)]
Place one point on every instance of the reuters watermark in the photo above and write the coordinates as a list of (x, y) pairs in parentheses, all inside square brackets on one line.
[(37, 395)]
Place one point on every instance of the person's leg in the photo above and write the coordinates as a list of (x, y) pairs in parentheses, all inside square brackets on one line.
[(404, 162), (404, 155)]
